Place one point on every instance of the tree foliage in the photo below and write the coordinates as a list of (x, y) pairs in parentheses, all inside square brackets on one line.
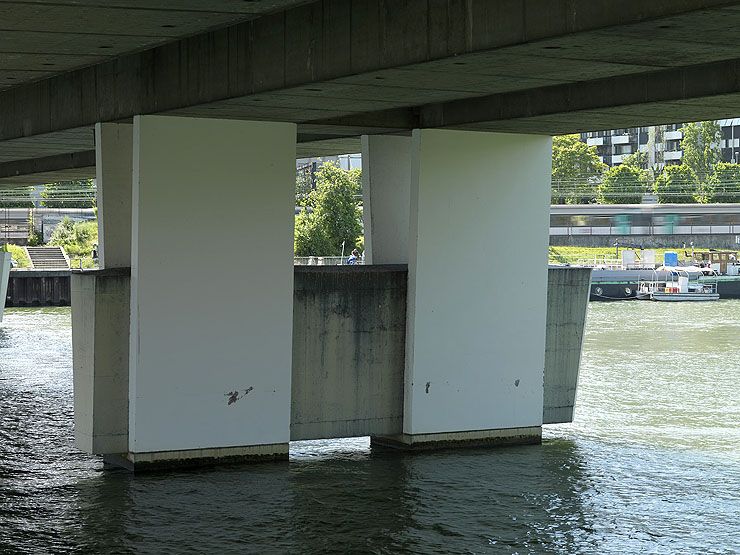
[(576, 168), (69, 194), (724, 183), (622, 184), (701, 147), (77, 238), (639, 159), (334, 216), (677, 184)]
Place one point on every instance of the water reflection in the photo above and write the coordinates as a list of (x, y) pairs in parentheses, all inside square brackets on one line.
[(517, 500)]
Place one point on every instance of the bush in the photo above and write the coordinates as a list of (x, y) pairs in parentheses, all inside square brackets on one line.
[(677, 184), (18, 254), (724, 183), (77, 238), (622, 185), (335, 217)]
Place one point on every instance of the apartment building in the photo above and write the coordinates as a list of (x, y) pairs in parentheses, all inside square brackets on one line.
[(662, 143)]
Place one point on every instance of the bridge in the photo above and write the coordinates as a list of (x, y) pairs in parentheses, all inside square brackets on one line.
[(170, 104)]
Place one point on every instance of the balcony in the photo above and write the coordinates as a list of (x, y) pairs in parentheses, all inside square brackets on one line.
[(595, 141), (672, 155), (673, 135), (620, 139)]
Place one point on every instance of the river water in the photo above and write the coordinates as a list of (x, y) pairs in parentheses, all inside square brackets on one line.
[(651, 464)]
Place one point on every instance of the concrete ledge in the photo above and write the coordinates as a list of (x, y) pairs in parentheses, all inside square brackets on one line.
[(167, 460), (455, 440), (344, 268), (35, 272), (105, 272)]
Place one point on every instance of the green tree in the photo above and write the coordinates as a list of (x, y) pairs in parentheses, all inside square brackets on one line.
[(334, 214), (303, 184), (637, 159), (576, 169), (677, 184), (77, 238), (69, 194), (622, 184), (701, 147), (724, 183)]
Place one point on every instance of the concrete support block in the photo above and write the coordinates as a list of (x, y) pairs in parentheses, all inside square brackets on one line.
[(349, 327), (567, 300), (475, 342), (386, 190), (113, 167), (100, 342), (4, 277), (211, 372)]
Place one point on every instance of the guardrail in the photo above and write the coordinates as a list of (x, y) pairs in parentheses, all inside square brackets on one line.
[(323, 261)]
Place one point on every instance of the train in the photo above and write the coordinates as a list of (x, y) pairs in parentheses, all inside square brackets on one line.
[(648, 225)]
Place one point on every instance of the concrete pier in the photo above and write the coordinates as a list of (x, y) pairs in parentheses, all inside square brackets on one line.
[(348, 352), (468, 376), (211, 375)]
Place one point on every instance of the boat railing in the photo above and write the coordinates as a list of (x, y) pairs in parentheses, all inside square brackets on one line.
[(709, 282), (600, 262), (614, 264), (670, 282)]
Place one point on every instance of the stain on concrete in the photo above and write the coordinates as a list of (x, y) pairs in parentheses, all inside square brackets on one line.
[(234, 396), (516, 383), (427, 387)]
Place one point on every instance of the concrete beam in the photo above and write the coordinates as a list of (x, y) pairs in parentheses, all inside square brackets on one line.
[(60, 167), (668, 96), (326, 41)]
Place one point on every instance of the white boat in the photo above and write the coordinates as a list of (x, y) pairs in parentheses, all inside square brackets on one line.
[(678, 284), (4, 276)]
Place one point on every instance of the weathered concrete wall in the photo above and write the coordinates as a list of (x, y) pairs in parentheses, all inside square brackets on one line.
[(715, 240), (100, 342), (38, 288), (349, 329), (567, 299)]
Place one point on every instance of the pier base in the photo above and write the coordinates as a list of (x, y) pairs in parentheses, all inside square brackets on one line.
[(531, 435), (172, 460)]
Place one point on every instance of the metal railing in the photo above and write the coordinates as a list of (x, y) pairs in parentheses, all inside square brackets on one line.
[(323, 261)]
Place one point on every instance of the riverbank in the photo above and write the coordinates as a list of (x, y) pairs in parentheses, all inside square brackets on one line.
[(572, 255)]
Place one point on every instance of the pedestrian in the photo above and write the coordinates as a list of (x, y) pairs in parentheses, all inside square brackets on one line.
[(354, 257)]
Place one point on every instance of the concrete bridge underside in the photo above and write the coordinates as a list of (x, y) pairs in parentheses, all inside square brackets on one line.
[(452, 102), (341, 69)]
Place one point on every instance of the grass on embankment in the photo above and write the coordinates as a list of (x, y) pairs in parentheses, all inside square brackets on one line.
[(571, 255)]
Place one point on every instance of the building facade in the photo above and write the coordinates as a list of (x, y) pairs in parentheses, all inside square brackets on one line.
[(662, 143)]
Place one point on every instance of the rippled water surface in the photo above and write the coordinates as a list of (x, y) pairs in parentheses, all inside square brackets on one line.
[(651, 465)]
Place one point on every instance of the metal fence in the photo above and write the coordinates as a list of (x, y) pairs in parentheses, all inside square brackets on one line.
[(323, 261)]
